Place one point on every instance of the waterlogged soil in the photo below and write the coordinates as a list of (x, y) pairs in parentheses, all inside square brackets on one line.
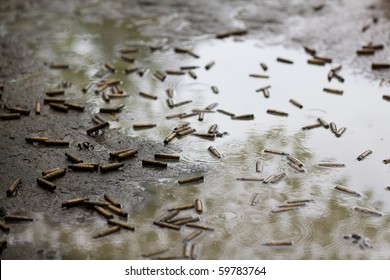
[(88, 34)]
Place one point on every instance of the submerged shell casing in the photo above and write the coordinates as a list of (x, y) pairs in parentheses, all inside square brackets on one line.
[(73, 158), (191, 180), (198, 206), (193, 235), (155, 163), (112, 201), (12, 187), (214, 152), (74, 202), (107, 232), (103, 212), (166, 225), (55, 174), (46, 184), (347, 190), (121, 224)]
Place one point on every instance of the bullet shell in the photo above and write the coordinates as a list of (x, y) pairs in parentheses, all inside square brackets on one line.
[(264, 66), (56, 143), (235, 32), (74, 106), (186, 250), (277, 113), (259, 166), (37, 108), (147, 255), (333, 127), (263, 88), (59, 107), (201, 116), (387, 188), (19, 110), (283, 60), (292, 205), (127, 154), (55, 92), (110, 67), (54, 175), (167, 156), (129, 50), (46, 184), (209, 136), (278, 178), (93, 203), (296, 167), (111, 167), (74, 202), (17, 218), (340, 132), (72, 158), (103, 212), (112, 201), (170, 137), (324, 59), (193, 235), (131, 70), (120, 224), (269, 179), (331, 164), (192, 74), (253, 199), (266, 93), (4, 227), (198, 206), (253, 179), (101, 88), (364, 155), (386, 97), (81, 167), (191, 180), (386, 161), (184, 221), (86, 87), (368, 211), (346, 190), (107, 232), (261, 76), (12, 188), (278, 243), (183, 103), (226, 112), (53, 100), (380, 66), (186, 132), (93, 164), (174, 72), (333, 90), (365, 51), (166, 225), (213, 129), (148, 95), (170, 215), (214, 152), (299, 201), (97, 128), (280, 210), (59, 66), (193, 225), (296, 103), (181, 50), (111, 110), (117, 211), (159, 75), (295, 160), (181, 207), (194, 251), (36, 139), (215, 89), (323, 123), (309, 50), (10, 116), (144, 125), (127, 58), (244, 117), (106, 98), (276, 152), (116, 153), (146, 162), (170, 103)]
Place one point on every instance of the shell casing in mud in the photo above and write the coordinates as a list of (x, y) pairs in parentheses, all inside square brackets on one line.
[(191, 180), (131, 70), (185, 132), (386, 97), (72, 158), (147, 162), (276, 152), (129, 50), (278, 243), (106, 98), (181, 126), (340, 132), (264, 66), (141, 72), (209, 65), (170, 103), (277, 113), (299, 201), (253, 199), (45, 172), (94, 164), (181, 207), (59, 66), (368, 211), (213, 129), (309, 50), (278, 178), (55, 174), (107, 232), (209, 136), (181, 50), (284, 60), (58, 143), (296, 103), (92, 203), (386, 161), (259, 166), (37, 107), (186, 250), (36, 139), (101, 88), (297, 204), (74, 202), (324, 59), (193, 235), (346, 190), (244, 117), (269, 179), (110, 110), (364, 155), (333, 90), (147, 255), (103, 212), (215, 89), (12, 188), (198, 206), (110, 67), (235, 32), (365, 51), (148, 95), (121, 224), (333, 127), (194, 251), (4, 227), (166, 225), (184, 221), (118, 152), (296, 167), (295, 160), (53, 100), (380, 66), (59, 107), (10, 116), (201, 116), (81, 167), (174, 72), (374, 47), (215, 152), (183, 103), (144, 125), (226, 113), (111, 167), (74, 106), (170, 137), (159, 75), (169, 215), (87, 87), (172, 116), (112, 201), (167, 156), (55, 92), (260, 76), (117, 211), (46, 184), (330, 164), (97, 128), (17, 218), (170, 92), (127, 154), (316, 61), (193, 225), (127, 58), (250, 179), (192, 74), (323, 123), (19, 110), (100, 118)]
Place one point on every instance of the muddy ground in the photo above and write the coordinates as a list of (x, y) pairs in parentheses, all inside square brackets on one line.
[(334, 30)]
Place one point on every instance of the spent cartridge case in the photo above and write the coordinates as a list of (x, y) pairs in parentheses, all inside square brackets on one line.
[(364, 155), (59, 66), (252, 179), (269, 179), (201, 116), (346, 190), (166, 225), (278, 243), (73, 158), (12, 188), (198, 206), (103, 212), (211, 106), (97, 128), (380, 66), (170, 92), (191, 180), (309, 50), (261, 76), (10, 116), (167, 156), (36, 139), (235, 32), (331, 164), (323, 123), (333, 90), (53, 100), (147, 162), (59, 107), (192, 74), (111, 167), (170, 103), (116, 153), (368, 211), (263, 88), (174, 72), (129, 50), (297, 204), (127, 58), (86, 88), (46, 184), (209, 65), (278, 178), (121, 224), (193, 235), (259, 166), (74, 202), (194, 251), (117, 211), (110, 110), (92, 203), (277, 113), (296, 103), (19, 110), (170, 137), (131, 70), (295, 160), (386, 97), (284, 60), (186, 250), (17, 218), (324, 58), (110, 67), (185, 221), (386, 161), (316, 61), (276, 152), (74, 106), (144, 125), (81, 167), (193, 225), (127, 154), (148, 95), (281, 210), (182, 207), (215, 89), (244, 117), (54, 175), (296, 167), (107, 232), (306, 200), (45, 172), (264, 66), (210, 136), (340, 132), (186, 132), (333, 127), (112, 201), (213, 129), (253, 198), (365, 51), (215, 152), (226, 113), (183, 103), (189, 67), (55, 92), (169, 215), (37, 107)]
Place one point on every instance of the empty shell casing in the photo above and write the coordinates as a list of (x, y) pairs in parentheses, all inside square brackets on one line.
[(54, 92), (333, 90), (276, 152), (53, 100), (386, 161), (169, 92), (97, 128), (277, 113), (193, 235), (333, 127), (213, 128), (191, 180), (54, 175), (144, 125), (19, 110), (166, 225), (94, 164), (4, 227), (169, 215), (346, 190), (386, 97), (127, 154), (107, 232), (74, 106), (170, 103), (37, 108), (296, 167), (253, 198), (201, 116), (324, 58), (368, 211), (186, 250), (278, 178), (131, 70), (284, 60), (244, 117), (186, 132), (50, 170), (86, 87), (186, 220), (235, 32), (261, 76), (340, 131), (209, 65), (128, 50), (167, 156), (198, 206), (299, 201), (59, 66), (316, 61), (46, 184), (278, 243), (211, 106), (365, 51), (103, 212), (259, 166), (214, 152), (214, 89), (209, 136), (289, 205), (226, 113), (10, 116), (253, 179), (380, 66), (112, 201), (192, 74), (280, 210), (309, 50), (174, 72), (128, 58), (193, 225), (183, 103), (364, 155), (147, 162), (110, 110), (295, 160), (323, 123), (101, 88), (331, 164), (59, 107), (93, 203), (36, 139), (194, 251), (264, 66), (106, 98), (121, 224), (296, 103), (170, 137), (188, 67), (159, 75), (12, 188), (269, 179), (110, 67), (148, 95), (74, 202), (263, 88), (181, 207), (17, 218), (116, 153), (72, 158), (81, 167), (111, 167), (117, 211), (387, 188)]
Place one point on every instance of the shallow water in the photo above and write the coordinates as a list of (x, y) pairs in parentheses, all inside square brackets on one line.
[(317, 229)]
